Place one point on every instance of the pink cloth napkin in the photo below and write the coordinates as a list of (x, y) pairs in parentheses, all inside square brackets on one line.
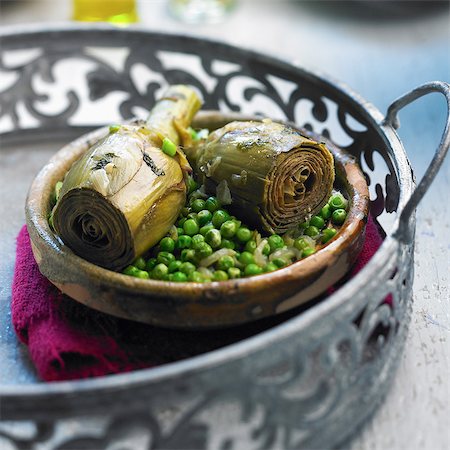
[(66, 340)]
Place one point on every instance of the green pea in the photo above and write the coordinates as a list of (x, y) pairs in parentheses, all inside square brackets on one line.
[(204, 250), (228, 229), (168, 147), (180, 231), (181, 222), (312, 231), (196, 277), (167, 244), (150, 265), (280, 262), (303, 226), (213, 238), (325, 212), (225, 262), (302, 243), (220, 275), (188, 254), (167, 277), (187, 267), (328, 234), (226, 243), (337, 201), (243, 234), (205, 228), (270, 267), (203, 217), (139, 263), (193, 134), (142, 274), (234, 272), (275, 242), (193, 216), (190, 227), (179, 277), (246, 258), (159, 271), (338, 216), (184, 241), (165, 258), (252, 269), (197, 240), (219, 217), (174, 266), (131, 270), (237, 222), (317, 221), (308, 252), (266, 250), (250, 246), (198, 205), (212, 204)]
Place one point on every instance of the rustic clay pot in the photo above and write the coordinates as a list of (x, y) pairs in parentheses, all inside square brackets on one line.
[(193, 305)]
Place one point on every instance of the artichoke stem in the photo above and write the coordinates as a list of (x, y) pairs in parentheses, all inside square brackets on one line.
[(172, 114)]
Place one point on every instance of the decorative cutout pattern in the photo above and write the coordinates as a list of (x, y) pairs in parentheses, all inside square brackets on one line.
[(55, 87)]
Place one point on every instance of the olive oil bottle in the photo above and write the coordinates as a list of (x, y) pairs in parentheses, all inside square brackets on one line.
[(119, 12)]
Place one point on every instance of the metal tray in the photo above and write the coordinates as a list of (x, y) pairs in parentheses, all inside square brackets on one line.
[(308, 382)]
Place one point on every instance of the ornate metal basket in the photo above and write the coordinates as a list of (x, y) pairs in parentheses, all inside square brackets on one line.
[(308, 382)]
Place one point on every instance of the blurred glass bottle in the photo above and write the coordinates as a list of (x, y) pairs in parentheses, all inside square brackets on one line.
[(114, 11), (201, 11)]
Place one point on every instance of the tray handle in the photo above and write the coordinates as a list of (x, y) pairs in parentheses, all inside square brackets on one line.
[(404, 232)]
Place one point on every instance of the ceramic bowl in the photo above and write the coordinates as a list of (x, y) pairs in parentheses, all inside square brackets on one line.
[(193, 305)]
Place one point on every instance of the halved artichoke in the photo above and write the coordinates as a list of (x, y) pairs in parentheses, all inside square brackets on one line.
[(124, 194), (276, 176)]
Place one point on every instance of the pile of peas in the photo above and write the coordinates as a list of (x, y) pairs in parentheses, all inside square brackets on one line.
[(205, 227)]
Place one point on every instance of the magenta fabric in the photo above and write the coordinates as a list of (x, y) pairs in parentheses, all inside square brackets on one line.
[(69, 341)]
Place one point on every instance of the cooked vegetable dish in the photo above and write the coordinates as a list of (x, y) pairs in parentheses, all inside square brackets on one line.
[(160, 200)]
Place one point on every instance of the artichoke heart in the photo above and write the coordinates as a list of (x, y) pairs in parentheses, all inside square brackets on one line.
[(276, 176), (124, 193)]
